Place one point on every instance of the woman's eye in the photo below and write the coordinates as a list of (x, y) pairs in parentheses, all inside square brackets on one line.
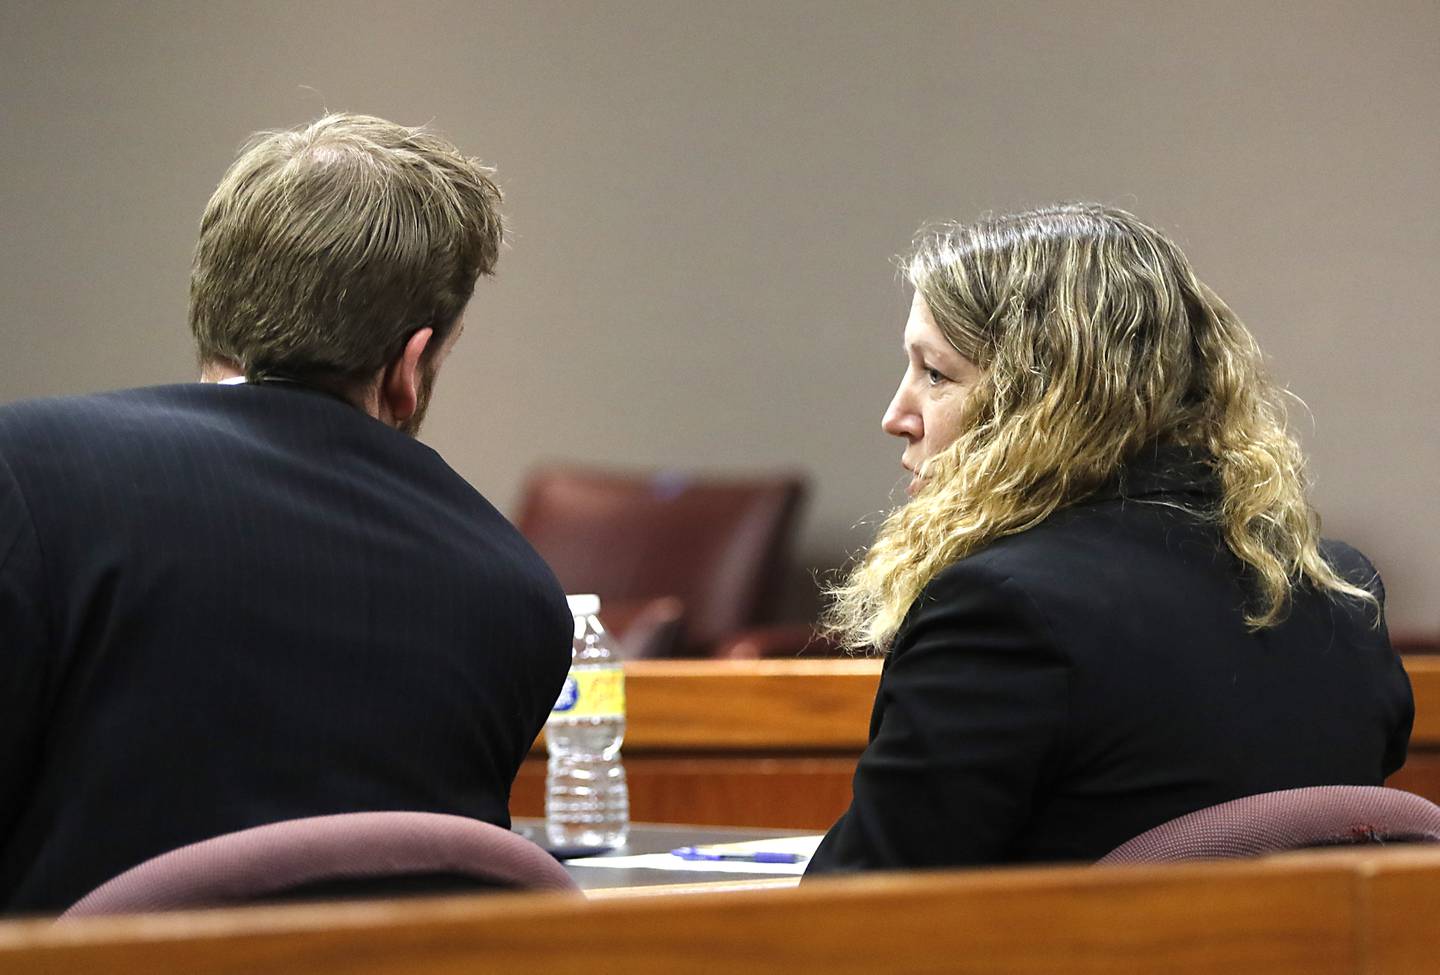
[(934, 377)]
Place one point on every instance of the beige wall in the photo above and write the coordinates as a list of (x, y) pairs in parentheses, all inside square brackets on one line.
[(706, 196)]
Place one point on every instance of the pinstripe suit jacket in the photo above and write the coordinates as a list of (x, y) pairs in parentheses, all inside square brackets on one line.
[(222, 606)]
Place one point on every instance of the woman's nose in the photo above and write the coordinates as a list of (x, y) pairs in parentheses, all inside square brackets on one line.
[(900, 419)]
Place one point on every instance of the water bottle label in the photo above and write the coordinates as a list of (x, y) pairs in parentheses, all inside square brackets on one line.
[(598, 693)]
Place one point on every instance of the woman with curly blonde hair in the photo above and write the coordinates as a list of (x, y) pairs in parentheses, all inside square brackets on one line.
[(1107, 602)]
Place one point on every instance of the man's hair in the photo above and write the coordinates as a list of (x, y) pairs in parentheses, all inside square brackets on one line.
[(325, 248), (1095, 340)]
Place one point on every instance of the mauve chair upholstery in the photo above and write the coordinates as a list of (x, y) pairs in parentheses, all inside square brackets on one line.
[(266, 862), (1292, 819)]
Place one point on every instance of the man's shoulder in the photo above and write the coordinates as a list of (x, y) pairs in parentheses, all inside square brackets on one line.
[(203, 425), (110, 407), (148, 413), (101, 430)]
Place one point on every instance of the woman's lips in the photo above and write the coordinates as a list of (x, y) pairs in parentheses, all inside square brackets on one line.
[(914, 485)]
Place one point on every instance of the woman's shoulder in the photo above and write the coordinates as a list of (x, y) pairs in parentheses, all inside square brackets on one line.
[(1087, 564), (1077, 545), (1353, 566), (1015, 576)]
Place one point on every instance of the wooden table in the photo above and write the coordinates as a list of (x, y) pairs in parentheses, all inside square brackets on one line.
[(774, 742)]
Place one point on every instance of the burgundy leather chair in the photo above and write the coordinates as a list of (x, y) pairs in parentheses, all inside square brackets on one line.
[(717, 546), (368, 854), (1292, 819)]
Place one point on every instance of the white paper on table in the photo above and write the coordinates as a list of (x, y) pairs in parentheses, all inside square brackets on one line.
[(802, 845)]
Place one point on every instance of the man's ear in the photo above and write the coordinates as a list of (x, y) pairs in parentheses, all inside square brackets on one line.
[(401, 381)]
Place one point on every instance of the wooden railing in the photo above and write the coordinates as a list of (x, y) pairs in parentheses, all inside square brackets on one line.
[(1329, 913), (736, 742), (774, 742)]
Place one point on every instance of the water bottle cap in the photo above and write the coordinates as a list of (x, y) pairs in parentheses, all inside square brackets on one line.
[(585, 604)]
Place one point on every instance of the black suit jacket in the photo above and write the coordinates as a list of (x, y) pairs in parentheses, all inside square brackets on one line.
[(224, 606), (1072, 686)]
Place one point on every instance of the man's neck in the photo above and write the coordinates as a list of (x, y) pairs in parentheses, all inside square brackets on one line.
[(368, 401), (219, 372)]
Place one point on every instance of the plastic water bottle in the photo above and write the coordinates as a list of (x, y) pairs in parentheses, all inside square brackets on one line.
[(587, 802)]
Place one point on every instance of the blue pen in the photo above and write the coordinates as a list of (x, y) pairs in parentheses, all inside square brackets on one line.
[(759, 856)]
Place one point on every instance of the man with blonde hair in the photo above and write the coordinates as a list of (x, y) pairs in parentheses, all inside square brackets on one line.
[(258, 597)]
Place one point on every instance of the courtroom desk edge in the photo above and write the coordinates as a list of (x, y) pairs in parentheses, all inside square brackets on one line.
[(1273, 915), (1366, 858), (269, 919), (687, 890)]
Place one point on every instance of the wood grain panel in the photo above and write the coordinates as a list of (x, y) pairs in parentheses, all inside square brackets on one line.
[(703, 789), (1401, 912), (735, 742), (1178, 919), (729, 705)]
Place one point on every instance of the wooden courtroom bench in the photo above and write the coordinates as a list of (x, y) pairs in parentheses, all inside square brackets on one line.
[(1305, 917), (774, 742)]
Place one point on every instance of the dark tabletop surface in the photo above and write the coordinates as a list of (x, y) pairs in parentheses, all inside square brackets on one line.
[(658, 838)]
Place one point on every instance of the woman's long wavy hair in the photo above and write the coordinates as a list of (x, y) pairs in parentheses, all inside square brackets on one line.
[(1094, 339)]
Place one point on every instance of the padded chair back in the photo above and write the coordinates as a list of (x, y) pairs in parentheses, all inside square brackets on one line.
[(1293, 819), (719, 546), (369, 853)]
